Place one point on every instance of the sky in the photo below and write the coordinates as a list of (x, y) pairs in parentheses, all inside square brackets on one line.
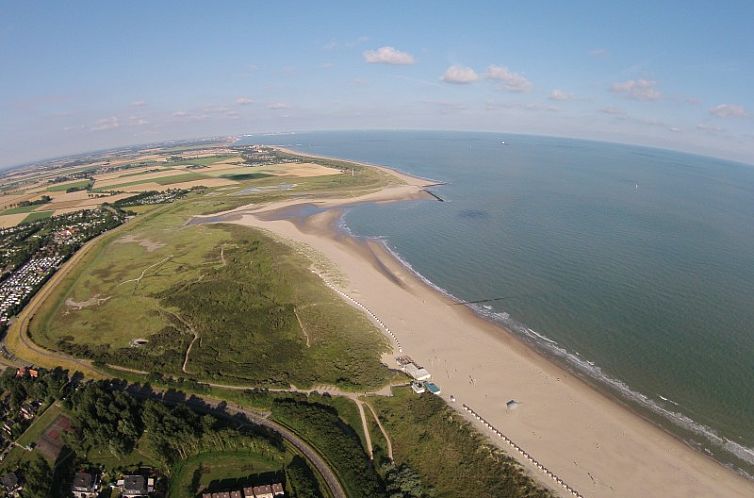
[(80, 76)]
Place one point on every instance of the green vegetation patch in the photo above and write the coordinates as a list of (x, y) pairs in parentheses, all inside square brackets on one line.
[(252, 301), (37, 215), (40, 425), (221, 471), (245, 176), (19, 209), (70, 186), (321, 426), (446, 450)]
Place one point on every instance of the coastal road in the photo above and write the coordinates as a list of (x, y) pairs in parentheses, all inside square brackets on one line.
[(224, 409)]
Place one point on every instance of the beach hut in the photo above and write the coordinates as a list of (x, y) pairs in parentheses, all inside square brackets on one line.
[(417, 373)]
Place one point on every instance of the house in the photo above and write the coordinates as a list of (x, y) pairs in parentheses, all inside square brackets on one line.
[(277, 489), (206, 495), (236, 494), (248, 492), (135, 485), (263, 491), (224, 494), (418, 387), (85, 485)]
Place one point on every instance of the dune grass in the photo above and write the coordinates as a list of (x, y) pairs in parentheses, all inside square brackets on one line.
[(163, 281)]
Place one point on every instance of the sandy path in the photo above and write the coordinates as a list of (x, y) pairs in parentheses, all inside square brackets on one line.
[(367, 435), (384, 432), (594, 444)]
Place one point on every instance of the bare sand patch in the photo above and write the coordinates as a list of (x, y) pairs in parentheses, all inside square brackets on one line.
[(11, 220), (95, 300), (149, 245), (302, 170)]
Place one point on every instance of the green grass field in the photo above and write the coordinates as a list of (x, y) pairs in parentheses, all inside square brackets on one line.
[(21, 209), (37, 215), (39, 425), (222, 470), (62, 187)]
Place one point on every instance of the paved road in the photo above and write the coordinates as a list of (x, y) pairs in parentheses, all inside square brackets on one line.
[(222, 408)]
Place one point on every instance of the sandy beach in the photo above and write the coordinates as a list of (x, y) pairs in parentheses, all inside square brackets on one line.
[(594, 444)]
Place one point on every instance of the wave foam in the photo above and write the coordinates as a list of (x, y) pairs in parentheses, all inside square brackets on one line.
[(590, 369)]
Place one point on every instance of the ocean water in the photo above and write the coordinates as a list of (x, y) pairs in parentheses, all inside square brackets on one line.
[(633, 266)]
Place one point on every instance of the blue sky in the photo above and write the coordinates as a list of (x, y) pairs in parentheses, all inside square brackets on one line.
[(79, 76)]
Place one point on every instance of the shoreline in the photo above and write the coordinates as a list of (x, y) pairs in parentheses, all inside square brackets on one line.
[(655, 454)]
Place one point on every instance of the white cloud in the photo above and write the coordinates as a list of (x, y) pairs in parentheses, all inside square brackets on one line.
[(729, 111), (709, 128), (214, 109), (137, 121), (637, 89), (460, 75), (327, 65), (333, 44), (137, 103), (278, 106), (388, 55), (674, 129), (614, 111), (561, 95), (244, 101), (190, 116), (494, 106), (513, 82), (106, 124), (598, 52)]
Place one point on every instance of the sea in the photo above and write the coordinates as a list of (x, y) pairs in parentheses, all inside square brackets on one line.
[(631, 266)]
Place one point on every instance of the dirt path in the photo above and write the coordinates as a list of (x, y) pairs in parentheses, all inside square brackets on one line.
[(303, 329), (138, 279), (384, 432), (367, 436), (191, 344)]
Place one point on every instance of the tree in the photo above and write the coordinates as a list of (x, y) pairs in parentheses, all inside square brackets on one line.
[(38, 478)]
